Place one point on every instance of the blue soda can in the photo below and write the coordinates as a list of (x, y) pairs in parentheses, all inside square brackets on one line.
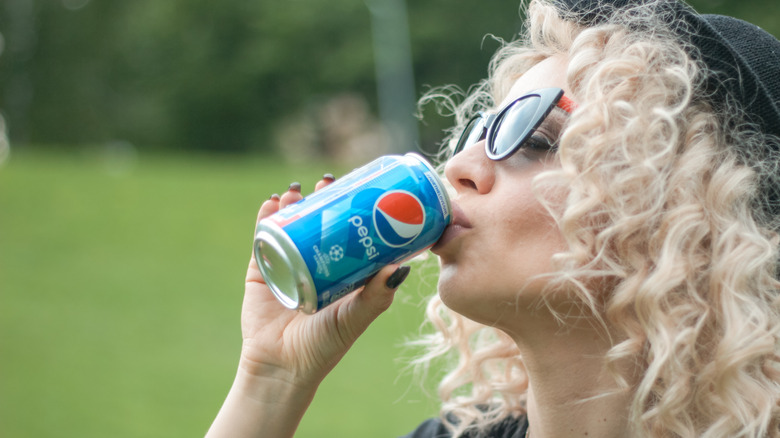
[(319, 249)]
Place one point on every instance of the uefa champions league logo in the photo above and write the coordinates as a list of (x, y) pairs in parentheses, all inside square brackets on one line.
[(336, 253), (399, 217)]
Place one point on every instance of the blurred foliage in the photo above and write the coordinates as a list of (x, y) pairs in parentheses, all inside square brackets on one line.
[(198, 74)]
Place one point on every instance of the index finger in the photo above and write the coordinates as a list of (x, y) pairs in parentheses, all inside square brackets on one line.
[(269, 207)]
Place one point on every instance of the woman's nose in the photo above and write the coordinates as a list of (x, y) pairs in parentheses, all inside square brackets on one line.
[(471, 169)]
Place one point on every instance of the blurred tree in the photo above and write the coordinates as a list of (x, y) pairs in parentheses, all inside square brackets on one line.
[(17, 29), (198, 74)]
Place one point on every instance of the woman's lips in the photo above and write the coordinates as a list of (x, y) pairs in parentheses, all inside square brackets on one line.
[(460, 223)]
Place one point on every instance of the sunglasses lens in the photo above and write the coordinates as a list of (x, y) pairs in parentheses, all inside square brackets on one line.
[(474, 132), (514, 125)]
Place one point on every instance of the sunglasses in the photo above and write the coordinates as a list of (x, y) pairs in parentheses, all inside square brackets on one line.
[(509, 129)]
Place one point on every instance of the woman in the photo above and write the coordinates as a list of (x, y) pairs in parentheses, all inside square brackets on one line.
[(612, 266)]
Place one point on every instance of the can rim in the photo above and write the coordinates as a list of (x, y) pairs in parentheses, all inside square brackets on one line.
[(304, 283)]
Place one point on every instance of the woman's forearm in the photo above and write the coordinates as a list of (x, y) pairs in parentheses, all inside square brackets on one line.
[(261, 407)]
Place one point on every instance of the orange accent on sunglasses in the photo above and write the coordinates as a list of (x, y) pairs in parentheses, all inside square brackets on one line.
[(566, 104)]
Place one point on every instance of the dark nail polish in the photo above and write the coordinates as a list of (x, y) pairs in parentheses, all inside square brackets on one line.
[(274, 197), (398, 277), (329, 177), (295, 187)]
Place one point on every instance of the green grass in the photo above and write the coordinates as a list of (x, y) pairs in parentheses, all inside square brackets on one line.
[(120, 295)]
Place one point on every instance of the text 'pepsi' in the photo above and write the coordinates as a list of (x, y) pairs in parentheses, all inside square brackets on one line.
[(319, 249)]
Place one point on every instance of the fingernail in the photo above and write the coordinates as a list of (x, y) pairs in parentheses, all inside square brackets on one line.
[(398, 277), (274, 197), (295, 187), (329, 177)]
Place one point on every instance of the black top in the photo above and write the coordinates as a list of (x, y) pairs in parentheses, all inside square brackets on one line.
[(510, 427)]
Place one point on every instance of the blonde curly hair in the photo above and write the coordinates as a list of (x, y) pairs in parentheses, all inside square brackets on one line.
[(663, 207)]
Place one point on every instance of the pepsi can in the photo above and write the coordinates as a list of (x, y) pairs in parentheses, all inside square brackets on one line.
[(319, 249)]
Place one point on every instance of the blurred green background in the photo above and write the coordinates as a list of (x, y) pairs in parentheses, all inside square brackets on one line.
[(138, 139), (121, 297)]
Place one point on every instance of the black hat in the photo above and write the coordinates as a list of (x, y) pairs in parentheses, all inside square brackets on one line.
[(743, 59)]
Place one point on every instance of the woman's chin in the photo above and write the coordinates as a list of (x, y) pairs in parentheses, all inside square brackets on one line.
[(447, 279), (457, 293)]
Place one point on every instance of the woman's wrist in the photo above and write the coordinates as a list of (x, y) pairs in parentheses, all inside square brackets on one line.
[(262, 405), (269, 384), (256, 370)]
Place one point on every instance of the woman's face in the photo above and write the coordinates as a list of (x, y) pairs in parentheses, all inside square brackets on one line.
[(502, 237)]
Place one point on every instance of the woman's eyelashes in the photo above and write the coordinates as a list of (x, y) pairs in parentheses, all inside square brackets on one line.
[(545, 137), (540, 142)]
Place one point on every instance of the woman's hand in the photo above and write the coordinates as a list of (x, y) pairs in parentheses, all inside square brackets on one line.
[(285, 353), (302, 348)]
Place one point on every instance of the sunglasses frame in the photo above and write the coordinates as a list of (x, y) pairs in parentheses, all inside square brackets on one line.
[(490, 124)]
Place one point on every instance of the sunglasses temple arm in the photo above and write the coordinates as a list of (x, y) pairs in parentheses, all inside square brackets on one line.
[(566, 104)]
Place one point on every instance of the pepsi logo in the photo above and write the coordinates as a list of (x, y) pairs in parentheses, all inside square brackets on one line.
[(399, 218)]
